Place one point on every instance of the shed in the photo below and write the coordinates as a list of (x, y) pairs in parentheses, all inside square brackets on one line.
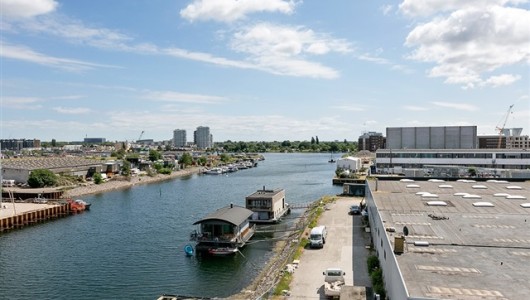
[(349, 163)]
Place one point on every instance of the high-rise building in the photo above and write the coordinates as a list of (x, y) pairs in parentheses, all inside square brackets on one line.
[(179, 138), (202, 137)]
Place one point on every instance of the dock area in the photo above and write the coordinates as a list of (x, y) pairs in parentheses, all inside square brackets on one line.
[(14, 215)]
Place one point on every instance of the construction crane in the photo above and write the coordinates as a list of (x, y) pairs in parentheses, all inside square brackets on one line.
[(141, 135), (501, 128)]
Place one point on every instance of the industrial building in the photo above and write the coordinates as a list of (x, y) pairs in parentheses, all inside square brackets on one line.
[(493, 161), (19, 169), (443, 137), (451, 240)]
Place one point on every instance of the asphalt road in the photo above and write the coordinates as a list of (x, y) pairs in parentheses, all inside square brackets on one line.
[(343, 229)]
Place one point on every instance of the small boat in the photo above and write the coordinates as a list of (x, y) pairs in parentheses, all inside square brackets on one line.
[(83, 203), (222, 251), (188, 249)]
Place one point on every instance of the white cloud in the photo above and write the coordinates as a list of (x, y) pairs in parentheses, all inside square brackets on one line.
[(386, 9), (72, 110), (416, 8), (26, 54), (170, 96), (286, 50), (233, 10), (500, 80), (471, 42), (21, 102), (457, 106), (16, 9)]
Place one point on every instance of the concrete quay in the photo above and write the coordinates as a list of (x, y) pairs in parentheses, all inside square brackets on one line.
[(18, 215)]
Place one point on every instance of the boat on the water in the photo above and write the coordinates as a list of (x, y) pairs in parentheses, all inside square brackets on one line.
[(189, 250), (78, 205), (223, 229), (267, 206), (222, 251)]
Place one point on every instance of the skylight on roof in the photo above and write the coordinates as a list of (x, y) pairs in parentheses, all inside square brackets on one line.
[(501, 195), (436, 180), (437, 203), (483, 204), (472, 196), (406, 180), (429, 195), (460, 194), (496, 181), (514, 187), (516, 197), (413, 186), (479, 186), (445, 186), (466, 180), (525, 205)]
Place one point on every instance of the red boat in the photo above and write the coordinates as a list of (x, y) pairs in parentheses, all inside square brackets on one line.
[(78, 205)]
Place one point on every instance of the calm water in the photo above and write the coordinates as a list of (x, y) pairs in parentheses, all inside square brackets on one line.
[(130, 245)]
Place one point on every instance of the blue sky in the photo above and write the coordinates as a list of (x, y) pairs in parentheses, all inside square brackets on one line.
[(255, 70)]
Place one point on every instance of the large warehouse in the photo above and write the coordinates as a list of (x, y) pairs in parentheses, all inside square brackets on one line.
[(19, 169), (451, 240), (441, 137)]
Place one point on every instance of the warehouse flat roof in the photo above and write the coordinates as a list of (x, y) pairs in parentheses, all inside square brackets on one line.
[(48, 163), (478, 235)]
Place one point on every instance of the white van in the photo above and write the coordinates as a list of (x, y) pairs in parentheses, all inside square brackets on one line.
[(317, 238)]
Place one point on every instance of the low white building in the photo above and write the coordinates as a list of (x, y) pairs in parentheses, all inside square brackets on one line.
[(350, 163)]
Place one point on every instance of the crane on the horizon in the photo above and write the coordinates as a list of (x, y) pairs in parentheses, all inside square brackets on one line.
[(141, 135), (501, 129)]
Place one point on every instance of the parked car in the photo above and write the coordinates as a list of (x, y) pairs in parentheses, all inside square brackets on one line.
[(355, 209)]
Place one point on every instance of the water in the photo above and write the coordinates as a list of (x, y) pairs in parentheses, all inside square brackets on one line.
[(130, 245)]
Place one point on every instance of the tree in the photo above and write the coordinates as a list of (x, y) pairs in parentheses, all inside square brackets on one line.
[(42, 178), (54, 143), (312, 140), (202, 160), (316, 140), (126, 168), (186, 159), (97, 178), (224, 157), (154, 155)]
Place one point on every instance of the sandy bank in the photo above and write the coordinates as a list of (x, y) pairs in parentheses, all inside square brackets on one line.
[(122, 183)]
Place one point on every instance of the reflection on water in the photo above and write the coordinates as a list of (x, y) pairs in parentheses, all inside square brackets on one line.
[(130, 245)]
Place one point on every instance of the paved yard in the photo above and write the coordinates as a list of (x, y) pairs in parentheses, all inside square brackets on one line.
[(338, 251)]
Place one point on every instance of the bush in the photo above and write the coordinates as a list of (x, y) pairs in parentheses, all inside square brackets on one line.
[(98, 178), (376, 275), (42, 178)]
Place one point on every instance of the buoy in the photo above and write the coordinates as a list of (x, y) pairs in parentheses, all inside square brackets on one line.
[(188, 249)]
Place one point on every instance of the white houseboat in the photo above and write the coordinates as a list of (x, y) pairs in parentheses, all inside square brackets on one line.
[(223, 231), (268, 206)]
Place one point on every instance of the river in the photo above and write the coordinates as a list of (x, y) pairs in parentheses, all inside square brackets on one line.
[(130, 244)]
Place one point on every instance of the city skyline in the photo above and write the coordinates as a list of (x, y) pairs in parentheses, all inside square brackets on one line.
[(260, 70)]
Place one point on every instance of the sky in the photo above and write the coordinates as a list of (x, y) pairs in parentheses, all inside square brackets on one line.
[(255, 70)]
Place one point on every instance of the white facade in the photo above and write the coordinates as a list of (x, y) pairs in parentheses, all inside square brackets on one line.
[(349, 163), (179, 138)]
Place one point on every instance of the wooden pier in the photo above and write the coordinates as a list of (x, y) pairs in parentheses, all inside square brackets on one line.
[(18, 215)]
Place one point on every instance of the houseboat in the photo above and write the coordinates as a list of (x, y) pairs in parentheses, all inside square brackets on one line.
[(223, 231), (267, 206)]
